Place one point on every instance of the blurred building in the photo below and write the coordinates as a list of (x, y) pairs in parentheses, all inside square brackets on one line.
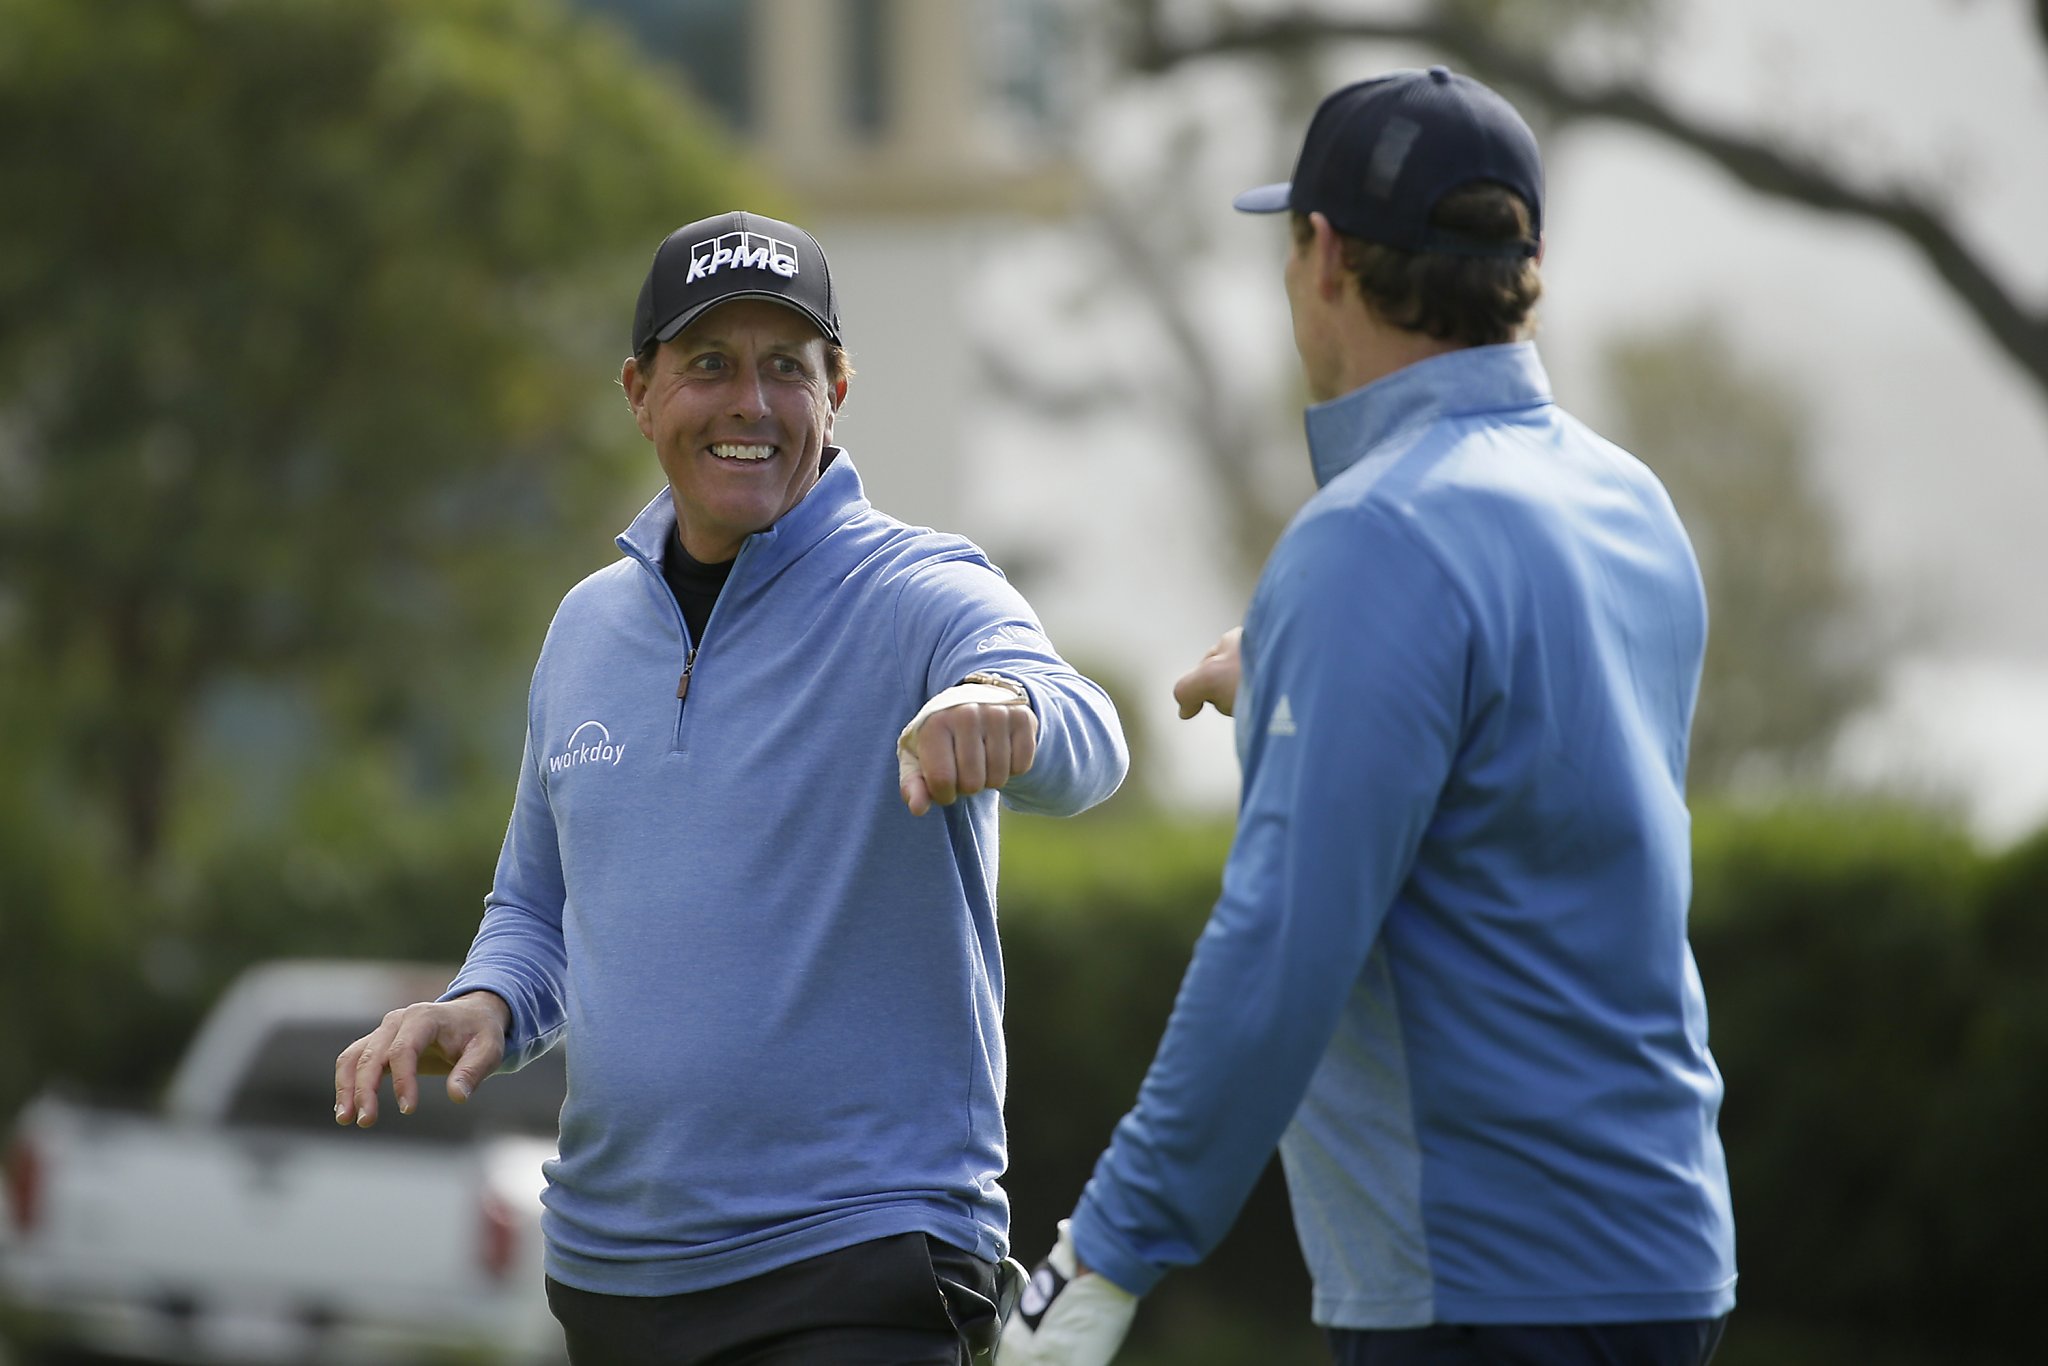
[(908, 134)]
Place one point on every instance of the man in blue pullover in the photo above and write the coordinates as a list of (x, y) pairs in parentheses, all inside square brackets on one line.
[(1448, 972), (749, 882)]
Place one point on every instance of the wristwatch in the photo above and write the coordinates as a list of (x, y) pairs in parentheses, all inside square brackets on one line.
[(996, 680)]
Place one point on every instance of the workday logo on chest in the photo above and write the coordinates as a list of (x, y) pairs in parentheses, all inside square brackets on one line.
[(589, 743)]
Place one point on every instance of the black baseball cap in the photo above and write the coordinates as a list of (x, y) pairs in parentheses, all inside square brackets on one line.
[(733, 256), (1380, 154)]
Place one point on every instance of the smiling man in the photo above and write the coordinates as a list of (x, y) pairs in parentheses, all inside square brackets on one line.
[(774, 966), (738, 407)]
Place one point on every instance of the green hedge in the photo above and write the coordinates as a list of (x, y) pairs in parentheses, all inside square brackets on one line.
[(1878, 992), (1879, 1000), (1099, 916)]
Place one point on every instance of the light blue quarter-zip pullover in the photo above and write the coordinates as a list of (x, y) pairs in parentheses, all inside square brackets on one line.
[(780, 992), (1448, 972)]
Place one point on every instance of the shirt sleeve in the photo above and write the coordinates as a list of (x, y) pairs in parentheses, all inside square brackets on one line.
[(960, 616), (1355, 655), (518, 951)]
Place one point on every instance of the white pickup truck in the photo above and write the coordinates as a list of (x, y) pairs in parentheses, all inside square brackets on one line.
[(241, 1224)]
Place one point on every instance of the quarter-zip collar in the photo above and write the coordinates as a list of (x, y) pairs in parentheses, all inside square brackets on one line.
[(1476, 379), (834, 500)]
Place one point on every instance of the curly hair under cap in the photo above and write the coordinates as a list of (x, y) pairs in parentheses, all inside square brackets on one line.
[(1469, 300)]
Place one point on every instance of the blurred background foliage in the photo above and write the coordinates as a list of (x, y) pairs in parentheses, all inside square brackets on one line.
[(1874, 987), (300, 309), (1793, 650), (300, 306)]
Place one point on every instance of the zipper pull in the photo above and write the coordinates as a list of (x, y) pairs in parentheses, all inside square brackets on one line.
[(683, 683)]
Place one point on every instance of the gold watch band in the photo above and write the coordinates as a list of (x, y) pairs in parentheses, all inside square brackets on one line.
[(996, 680)]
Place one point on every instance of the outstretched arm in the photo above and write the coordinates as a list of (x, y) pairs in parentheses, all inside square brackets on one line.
[(1348, 721), (958, 619), (973, 737)]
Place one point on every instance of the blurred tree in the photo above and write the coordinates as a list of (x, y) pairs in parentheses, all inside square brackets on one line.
[(308, 313), (1791, 651), (1534, 49), (1792, 655), (1152, 228)]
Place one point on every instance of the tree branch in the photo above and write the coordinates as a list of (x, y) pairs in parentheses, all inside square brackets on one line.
[(2021, 331), (1219, 432)]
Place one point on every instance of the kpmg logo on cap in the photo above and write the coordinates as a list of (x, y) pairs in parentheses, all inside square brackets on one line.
[(752, 250)]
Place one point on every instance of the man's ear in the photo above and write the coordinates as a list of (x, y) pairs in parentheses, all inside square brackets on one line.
[(1326, 254), (634, 382), (836, 396)]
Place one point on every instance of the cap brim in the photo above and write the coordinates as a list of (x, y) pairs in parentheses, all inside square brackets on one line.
[(668, 330), (1264, 199)]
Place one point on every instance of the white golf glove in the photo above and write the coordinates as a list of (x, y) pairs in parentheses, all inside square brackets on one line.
[(1066, 1320)]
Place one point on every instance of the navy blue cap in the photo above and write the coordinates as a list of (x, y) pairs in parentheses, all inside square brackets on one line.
[(1380, 154), (733, 256)]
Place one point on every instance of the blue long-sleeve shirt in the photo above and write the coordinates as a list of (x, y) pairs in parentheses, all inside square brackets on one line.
[(1448, 971), (780, 992)]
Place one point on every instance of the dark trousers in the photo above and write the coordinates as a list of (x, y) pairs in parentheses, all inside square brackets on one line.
[(903, 1301), (1682, 1342)]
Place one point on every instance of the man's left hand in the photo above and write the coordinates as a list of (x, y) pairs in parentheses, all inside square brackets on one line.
[(1214, 678), (1068, 1315), (956, 748)]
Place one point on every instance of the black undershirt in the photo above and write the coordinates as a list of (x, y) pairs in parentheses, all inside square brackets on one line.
[(695, 584)]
